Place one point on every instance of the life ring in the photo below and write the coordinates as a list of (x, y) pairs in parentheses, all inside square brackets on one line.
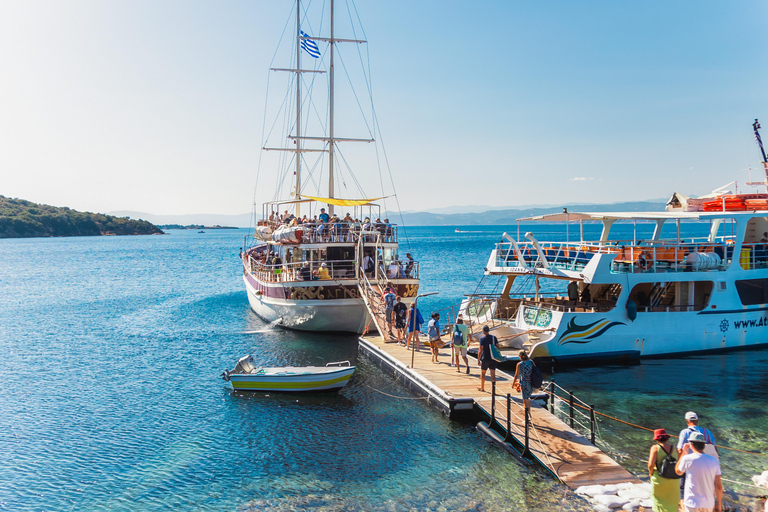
[(645, 260)]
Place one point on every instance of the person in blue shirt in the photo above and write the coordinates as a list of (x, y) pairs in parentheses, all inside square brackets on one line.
[(415, 321), (389, 306), (324, 216)]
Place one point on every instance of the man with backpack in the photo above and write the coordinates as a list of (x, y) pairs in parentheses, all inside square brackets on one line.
[(484, 357), (459, 342), (703, 484)]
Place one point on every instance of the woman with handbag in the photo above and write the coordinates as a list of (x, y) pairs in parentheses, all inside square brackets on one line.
[(664, 491)]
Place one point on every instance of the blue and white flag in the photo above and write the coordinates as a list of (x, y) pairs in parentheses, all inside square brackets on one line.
[(309, 45)]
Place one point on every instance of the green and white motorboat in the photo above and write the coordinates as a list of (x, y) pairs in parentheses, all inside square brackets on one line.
[(247, 377)]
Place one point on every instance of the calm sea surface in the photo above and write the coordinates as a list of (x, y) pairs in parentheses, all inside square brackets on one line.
[(110, 395)]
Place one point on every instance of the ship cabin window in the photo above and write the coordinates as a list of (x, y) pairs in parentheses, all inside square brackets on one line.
[(754, 250), (341, 253), (671, 297), (753, 291)]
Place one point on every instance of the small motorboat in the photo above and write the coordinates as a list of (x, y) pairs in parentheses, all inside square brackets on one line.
[(247, 377)]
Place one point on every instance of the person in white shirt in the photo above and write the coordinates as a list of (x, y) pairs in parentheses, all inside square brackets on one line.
[(703, 486)]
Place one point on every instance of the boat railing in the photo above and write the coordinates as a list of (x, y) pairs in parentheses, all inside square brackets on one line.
[(400, 270), (301, 271), (339, 232), (632, 256)]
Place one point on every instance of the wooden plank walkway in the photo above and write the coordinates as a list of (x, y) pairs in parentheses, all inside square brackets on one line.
[(560, 449)]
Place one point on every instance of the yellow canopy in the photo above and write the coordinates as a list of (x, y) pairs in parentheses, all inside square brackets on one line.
[(342, 202)]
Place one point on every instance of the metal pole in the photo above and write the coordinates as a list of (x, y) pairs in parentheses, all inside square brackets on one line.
[(527, 426), (298, 109), (415, 334), (570, 399), (493, 403), (592, 424), (552, 396), (509, 426)]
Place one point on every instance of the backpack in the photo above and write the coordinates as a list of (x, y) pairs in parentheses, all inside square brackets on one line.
[(458, 338), (667, 468), (432, 330), (537, 379)]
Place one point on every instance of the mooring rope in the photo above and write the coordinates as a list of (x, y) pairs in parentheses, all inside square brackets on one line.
[(554, 395)]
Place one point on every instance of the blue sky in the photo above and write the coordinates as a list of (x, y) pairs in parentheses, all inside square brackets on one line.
[(158, 106)]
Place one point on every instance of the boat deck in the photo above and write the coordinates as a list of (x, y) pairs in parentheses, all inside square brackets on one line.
[(554, 445)]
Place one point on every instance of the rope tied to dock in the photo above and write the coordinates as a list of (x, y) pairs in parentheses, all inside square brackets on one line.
[(555, 395)]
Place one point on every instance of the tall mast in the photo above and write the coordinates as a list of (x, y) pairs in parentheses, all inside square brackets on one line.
[(298, 108), (330, 124)]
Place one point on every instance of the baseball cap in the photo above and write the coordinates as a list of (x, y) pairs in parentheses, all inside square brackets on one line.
[(697, 437), (690, 415)]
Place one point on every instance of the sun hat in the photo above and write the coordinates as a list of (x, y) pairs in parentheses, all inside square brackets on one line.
[(697, 437), (690, 415), (659, 433)]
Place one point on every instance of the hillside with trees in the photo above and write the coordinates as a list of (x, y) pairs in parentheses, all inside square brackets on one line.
[(23, 219)]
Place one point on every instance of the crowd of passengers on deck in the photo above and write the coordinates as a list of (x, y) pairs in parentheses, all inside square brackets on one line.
[(271, 267), (332, 228)]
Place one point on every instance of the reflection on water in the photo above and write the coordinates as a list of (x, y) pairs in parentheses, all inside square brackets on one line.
[(111, 396)]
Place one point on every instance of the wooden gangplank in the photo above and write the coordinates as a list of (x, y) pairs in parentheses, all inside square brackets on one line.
[(372, 296), (565, 453)]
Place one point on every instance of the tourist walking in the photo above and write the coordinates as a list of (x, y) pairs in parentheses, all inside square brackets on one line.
[(664, 491), (389, 306), (703, 486), (459, 342), (401, 313), (415, 321), (692, 420), (433, 331), (484, 358), (522, 380)]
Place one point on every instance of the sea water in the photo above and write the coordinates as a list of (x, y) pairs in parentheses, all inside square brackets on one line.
[(111, 396)]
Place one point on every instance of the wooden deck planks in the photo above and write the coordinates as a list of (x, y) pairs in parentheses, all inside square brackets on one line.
[(568, 454)]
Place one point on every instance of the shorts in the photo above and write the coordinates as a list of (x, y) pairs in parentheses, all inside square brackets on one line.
[(487, 363), (400, 323), (462, 351), (388, 315)]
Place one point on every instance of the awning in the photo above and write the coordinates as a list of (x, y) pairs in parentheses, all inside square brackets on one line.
[(343, 202)]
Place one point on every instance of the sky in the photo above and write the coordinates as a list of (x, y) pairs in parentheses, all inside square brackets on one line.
[(159, 105)]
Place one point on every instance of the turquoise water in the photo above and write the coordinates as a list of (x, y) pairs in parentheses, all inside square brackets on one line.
[(111, 397)]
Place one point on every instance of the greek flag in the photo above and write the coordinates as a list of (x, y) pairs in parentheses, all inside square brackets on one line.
[(309, 45)]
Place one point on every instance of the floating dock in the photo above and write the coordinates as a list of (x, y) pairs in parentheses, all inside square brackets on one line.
[(559, 449)]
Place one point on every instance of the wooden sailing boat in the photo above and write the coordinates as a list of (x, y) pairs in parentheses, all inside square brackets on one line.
[(305, 267)]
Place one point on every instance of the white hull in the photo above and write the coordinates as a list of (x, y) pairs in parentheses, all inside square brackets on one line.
[(336, 315), (652, 334), (310, 378)]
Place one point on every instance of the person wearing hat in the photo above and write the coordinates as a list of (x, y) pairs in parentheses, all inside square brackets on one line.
[(664, 491), (484, 356), (692, 420), (703, 484)]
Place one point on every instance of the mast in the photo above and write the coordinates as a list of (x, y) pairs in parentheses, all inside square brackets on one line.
[(330, 123), (297, 196), (755, 127)]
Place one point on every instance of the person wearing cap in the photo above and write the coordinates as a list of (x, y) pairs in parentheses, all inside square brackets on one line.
[(322, 272), (703, 484), (692, 420), (484, 356), (664, 491)]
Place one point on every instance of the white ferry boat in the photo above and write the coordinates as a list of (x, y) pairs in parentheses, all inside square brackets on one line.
[(617, 298), (305, 267)]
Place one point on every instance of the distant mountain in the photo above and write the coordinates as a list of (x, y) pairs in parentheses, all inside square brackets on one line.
[(510, 216), (23, 219), (241, 221)]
